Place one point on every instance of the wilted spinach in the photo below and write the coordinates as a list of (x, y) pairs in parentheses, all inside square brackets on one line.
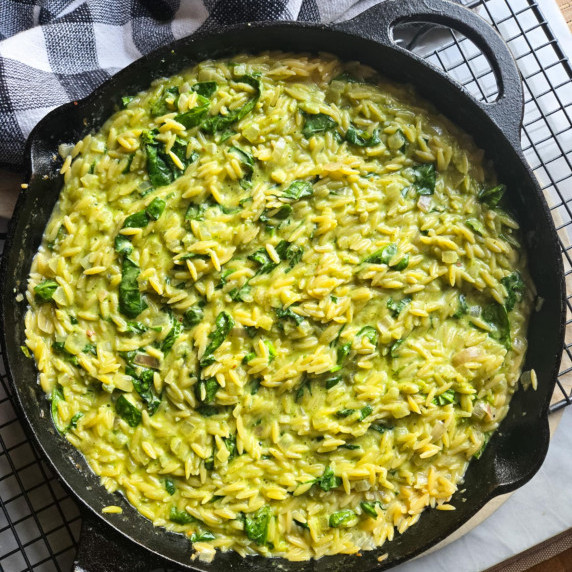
[(223, 324), (125, 409)]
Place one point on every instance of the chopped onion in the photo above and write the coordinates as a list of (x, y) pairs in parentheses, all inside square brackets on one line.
[(65, 149), (482, 410), (239, 331), (362, 485), (474, 311), (438, 431), (147, 361), (424, 203), (466, 355)]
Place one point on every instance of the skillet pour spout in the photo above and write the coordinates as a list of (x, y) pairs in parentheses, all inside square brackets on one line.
[(129, 541)]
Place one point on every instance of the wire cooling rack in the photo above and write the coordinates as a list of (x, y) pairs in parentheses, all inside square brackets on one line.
[(39, 522)]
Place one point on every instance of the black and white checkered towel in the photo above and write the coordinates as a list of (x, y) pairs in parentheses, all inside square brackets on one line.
[(55, 51)]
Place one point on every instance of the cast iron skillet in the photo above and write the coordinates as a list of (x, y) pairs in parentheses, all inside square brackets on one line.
[(517, 449)]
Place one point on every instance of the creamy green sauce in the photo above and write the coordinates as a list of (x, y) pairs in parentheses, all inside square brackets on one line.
[(279, 305)]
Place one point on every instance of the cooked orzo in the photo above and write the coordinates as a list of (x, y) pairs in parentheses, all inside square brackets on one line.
[(279, 306)]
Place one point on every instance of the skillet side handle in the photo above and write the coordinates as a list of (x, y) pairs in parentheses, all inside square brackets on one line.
[(377, 24), (99, 551)]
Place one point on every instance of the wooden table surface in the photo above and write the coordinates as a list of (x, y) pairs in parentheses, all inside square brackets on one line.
[(566, 8)]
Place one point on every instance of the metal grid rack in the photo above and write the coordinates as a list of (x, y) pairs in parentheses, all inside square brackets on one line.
[(39, 522)]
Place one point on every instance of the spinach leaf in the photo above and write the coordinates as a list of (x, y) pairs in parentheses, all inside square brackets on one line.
[(207, 410), (335, 341), (370, 333), (223, 324), (170, 486), (486, 440), (206, 389), (287, 313), (293, 256), (261, 257), (342, 353), (256, 524), (476, 226), (127, 168), (402, 264), (345, 412), (193, 316), (248, 357), (445, 397), (59, 348), (347, 77), (491, 196), (157, 166), (425, 179), (73, 421), (202, 536), (230, 443), (365, 412), (155, 209), (515, 289), (497, 316), (224, 276), (229, 210), (136, 328), (280, 213), (161, 168), (328, 480), (332, 381), (205, 88), (90, 349), (342, 519), (165, 103), (247, 162), (317, 123), (394, 348), (271, 350), (369, 508), (136, 220), (131, 304), (397, 307), (462, 307), (56, 398), (126, 100), (361, 138), (125, 409), (123, 245), (301, 524), (216, 123), (181, 516), (194, 116), (379, 427), (143, 384), (299, 190), (171, 337), (383, 255), (196, 212), (45, 290)]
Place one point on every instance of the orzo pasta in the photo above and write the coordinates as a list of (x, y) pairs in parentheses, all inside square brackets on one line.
[(279, 306)]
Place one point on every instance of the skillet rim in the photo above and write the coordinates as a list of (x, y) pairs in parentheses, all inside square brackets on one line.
[(91, 99)]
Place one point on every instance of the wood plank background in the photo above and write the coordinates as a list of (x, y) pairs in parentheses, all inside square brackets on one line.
[(566, 8)]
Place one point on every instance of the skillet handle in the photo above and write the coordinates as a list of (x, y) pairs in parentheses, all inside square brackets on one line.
[(377, 24), (100, 551)]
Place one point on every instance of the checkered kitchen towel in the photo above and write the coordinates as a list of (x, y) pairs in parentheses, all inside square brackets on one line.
[(55, 51)]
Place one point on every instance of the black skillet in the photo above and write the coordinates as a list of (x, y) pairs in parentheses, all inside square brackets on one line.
[(517, 450)]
